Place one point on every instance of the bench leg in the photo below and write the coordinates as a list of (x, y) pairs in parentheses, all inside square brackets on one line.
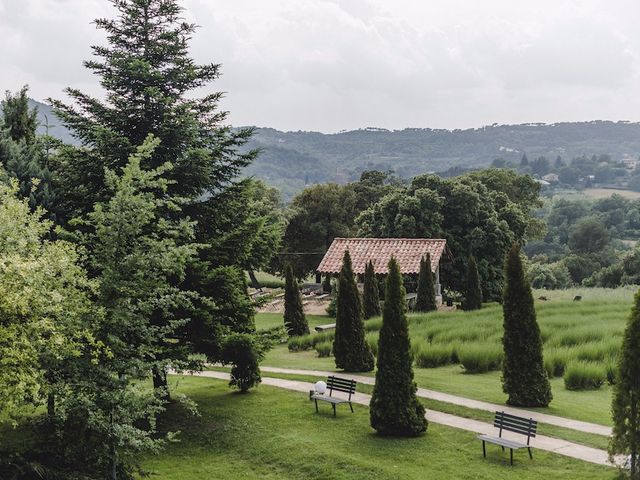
[(484, 450), (316, 400), (334, 409), (511, 456), (502, 448), (351, 407), (530, 455)]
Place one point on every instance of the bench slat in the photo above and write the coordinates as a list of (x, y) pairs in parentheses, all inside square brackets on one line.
[(502, 442)]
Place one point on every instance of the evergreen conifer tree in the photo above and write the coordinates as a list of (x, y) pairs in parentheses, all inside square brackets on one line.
[(294, 319), (473, 293), (351, 351), (371, 297), (626, 395), (151, 86), (524, 377), (394, 408), (426, 298)]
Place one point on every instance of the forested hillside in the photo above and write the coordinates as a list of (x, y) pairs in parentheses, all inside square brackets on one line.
[(289, 160)]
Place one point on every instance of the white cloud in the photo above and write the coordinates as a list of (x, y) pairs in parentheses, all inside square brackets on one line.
[(333, 64)]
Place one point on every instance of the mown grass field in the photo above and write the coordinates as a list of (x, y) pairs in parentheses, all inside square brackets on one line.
[(275, 434), (460, 352)]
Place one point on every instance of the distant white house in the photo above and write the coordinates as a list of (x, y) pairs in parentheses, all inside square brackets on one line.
[(551, 178)]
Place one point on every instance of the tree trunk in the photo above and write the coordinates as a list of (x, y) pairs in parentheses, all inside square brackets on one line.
[(51, 404), (160, 381), (254, 281)]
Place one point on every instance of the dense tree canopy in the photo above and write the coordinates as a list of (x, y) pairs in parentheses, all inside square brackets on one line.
[(479, 214)]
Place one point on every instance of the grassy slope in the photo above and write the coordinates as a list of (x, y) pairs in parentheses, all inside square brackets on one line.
[(272, 433), (605, 310)]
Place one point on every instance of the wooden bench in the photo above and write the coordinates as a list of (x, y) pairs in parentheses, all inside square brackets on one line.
[(339, 385), (324, 328), (511, 423)]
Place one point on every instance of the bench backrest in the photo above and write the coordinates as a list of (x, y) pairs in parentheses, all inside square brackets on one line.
[(512, 423), (341, 385)]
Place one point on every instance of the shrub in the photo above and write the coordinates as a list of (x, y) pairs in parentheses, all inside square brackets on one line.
[(480, 358), (581, 375), (431, 355), (372, 341), (323, 348), (241, 350), (306, 342), (555, 361)]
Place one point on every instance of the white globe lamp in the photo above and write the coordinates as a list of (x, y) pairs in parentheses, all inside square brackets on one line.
[(320, 387)]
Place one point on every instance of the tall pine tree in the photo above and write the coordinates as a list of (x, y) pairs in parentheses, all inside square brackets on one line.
[(351, 351), (626, 395), (473, 294), (426, 294), (151, 86), (294, 319), (524, 377), (371, 297), (394, 408)]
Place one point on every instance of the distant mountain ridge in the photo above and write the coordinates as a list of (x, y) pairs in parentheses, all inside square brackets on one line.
[(289, 160)]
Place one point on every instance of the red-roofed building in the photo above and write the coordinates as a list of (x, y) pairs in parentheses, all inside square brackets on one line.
[(407, 251)]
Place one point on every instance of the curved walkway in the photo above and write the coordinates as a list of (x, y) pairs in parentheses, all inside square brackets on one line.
[(466, 402), (561, 447)]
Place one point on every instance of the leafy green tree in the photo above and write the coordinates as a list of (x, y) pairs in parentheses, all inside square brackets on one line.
[(626, 395), (351, 351), (394, 408), (44, 304), (371, 295), (320, 213), (479, 214), (473, 293), (426, 295), (295, 320), (524, 377), (589, 235)]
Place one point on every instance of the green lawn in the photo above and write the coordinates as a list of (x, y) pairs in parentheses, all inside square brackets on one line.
[(274, 433), (587, 330)]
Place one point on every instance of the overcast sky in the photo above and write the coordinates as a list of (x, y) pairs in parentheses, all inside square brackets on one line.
[(328, 65)]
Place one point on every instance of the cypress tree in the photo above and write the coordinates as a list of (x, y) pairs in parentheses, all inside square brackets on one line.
[(294, 319), (426, 299), (473, 293), (351, 351), (394, 408), (626, 395), (371, 298), (524, 377)]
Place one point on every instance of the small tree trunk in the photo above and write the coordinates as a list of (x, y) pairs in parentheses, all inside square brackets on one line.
[(254, 281), (160, 381), (51, 404)]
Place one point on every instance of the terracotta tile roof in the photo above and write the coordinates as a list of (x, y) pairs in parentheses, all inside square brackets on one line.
[(407, 251)]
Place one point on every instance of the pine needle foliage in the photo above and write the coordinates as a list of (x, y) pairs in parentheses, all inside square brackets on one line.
[(351, 351), (371, 297), (426, 298), (626, 396), (394, 408), (524, 377), (295, 320), (473, 293)]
